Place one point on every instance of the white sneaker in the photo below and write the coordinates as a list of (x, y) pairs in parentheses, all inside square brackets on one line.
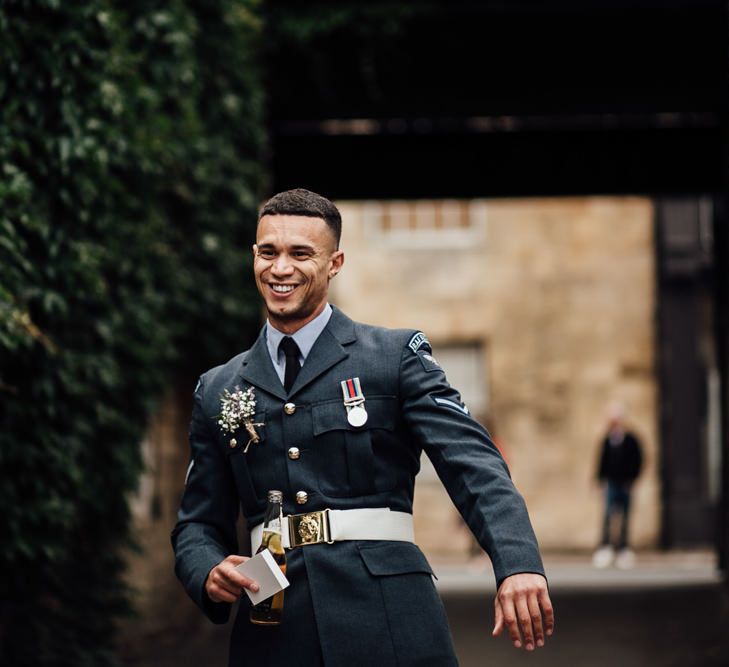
[(603, 557), (625, 559)]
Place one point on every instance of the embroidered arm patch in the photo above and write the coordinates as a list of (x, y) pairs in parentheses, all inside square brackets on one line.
[(428, 360), (417, 341)]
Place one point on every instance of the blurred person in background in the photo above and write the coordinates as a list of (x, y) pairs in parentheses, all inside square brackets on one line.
[(619, 465)]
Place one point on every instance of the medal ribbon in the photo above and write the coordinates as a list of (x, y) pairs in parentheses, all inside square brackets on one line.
[(352, 392)]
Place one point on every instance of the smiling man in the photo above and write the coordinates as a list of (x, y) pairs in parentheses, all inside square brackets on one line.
[(293, 265), (343, 411)]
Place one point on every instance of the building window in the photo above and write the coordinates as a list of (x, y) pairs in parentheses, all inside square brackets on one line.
[(466, 370), (426, 222)]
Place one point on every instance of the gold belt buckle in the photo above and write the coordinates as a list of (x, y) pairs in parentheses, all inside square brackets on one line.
[(309, 528)]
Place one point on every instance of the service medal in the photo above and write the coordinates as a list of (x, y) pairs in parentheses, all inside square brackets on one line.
[(357, 416), (354, 402)]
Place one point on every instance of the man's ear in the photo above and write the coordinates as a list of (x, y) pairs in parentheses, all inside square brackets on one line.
[(335, 263), (254, 249)]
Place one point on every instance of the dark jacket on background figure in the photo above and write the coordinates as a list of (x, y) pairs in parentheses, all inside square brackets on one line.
[(620, 461)]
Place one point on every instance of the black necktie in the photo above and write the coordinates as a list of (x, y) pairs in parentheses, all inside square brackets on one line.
[(291, 350)]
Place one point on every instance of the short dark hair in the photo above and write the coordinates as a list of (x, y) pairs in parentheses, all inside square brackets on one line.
[(305, 203)]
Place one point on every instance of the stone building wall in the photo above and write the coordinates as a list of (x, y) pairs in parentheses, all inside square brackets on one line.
[(557, 298)]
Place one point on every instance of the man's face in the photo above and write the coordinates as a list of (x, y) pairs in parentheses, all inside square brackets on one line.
[(294, 260)]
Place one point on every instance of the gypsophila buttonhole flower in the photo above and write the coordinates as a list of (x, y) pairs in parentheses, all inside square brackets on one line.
[(236, 410)]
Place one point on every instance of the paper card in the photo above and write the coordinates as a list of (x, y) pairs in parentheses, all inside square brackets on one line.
[(264, 570)]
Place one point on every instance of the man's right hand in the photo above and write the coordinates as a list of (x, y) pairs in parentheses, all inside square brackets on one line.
[(225, 583)]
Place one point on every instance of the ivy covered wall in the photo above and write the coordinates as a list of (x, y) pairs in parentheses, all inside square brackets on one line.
[(130, 143)]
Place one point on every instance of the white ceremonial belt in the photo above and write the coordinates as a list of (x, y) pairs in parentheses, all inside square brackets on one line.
[(327, 526)]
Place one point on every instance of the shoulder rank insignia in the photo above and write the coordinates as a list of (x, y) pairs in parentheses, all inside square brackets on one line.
[(448, 403), (189, 470), (417, 341)]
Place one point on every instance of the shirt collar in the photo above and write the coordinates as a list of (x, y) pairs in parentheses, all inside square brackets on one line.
[(304, 337)]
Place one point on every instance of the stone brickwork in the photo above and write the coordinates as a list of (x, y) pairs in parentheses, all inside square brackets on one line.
[(560, 295)]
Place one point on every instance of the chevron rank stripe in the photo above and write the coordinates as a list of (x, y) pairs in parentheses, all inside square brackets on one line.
[(451, 404)]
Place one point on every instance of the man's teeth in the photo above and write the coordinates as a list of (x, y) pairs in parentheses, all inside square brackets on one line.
[(282, 289)]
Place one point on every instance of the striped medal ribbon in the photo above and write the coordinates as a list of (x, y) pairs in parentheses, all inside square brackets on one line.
[(354, 402)]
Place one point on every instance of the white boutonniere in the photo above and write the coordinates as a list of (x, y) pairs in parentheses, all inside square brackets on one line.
[(236, 410)]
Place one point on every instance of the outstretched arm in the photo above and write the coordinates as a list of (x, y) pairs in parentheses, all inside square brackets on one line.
[(478, 481)]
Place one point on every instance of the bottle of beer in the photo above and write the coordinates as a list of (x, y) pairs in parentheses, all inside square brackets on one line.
[(270, 611)]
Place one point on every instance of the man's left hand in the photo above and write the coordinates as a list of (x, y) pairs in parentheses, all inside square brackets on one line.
[(523, 606)]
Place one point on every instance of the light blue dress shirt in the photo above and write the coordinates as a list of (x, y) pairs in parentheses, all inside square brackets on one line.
[(304, 338)]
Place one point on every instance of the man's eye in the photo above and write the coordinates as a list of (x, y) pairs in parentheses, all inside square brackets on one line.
[(300, 254), (266, 254)]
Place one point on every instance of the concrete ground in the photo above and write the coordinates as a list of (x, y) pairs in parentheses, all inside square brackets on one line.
[(669, 610)]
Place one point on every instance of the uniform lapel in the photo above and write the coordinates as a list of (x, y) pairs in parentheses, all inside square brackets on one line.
[(328, 349), (258, 369)]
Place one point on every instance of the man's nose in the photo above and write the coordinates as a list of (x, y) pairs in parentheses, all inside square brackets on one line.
[(282, 265)]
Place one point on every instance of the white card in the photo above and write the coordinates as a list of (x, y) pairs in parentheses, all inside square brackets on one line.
[(264, 570)]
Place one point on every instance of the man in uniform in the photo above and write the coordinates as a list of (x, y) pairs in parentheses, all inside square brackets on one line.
[(337, 415)]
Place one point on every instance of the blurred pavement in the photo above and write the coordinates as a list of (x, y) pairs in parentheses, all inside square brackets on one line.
[(669, 610), (574, 572)]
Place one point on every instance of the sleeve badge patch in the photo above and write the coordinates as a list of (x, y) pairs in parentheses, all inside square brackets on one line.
[(417, 341), (429, 362)]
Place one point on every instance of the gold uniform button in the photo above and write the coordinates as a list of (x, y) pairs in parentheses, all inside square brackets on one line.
[(294, 453), (290, 408), (233, 442), (301, 497)]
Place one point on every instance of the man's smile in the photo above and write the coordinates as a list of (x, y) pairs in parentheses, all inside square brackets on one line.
[(282, 288)]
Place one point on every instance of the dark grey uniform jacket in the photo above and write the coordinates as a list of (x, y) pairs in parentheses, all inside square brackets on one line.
[(357, 603)]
